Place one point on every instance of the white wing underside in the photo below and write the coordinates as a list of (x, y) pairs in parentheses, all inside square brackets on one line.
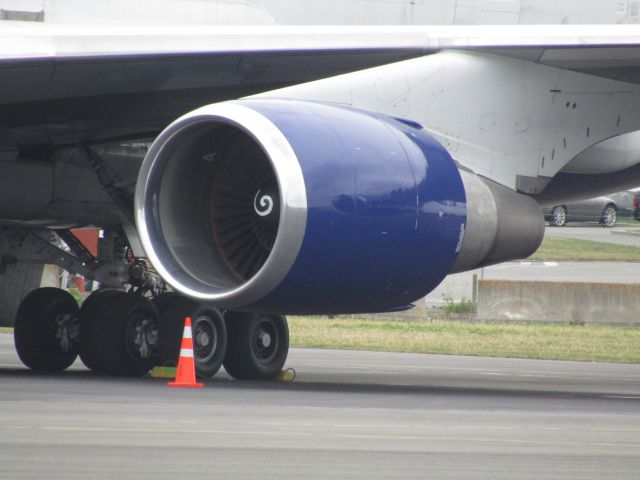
[(511, 135), (580, 47)]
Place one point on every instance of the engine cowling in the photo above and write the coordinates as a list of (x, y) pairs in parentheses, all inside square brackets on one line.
[(298, 207)]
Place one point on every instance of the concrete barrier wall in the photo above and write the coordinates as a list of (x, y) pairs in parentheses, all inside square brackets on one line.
[(565, 302)]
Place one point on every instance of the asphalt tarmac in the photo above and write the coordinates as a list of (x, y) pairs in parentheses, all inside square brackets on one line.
[(346, 415)]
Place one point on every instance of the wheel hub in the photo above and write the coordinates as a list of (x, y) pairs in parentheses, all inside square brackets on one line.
[(559, 216), (204, 337), (609, 217), (67, 331), (145, 337), (265, 339)]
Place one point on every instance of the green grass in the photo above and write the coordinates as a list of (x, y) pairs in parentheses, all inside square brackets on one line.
[(552, 342), (567, 249), (6, 330), (452, 307)]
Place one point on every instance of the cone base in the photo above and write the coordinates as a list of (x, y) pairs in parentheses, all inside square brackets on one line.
[(185, 385)]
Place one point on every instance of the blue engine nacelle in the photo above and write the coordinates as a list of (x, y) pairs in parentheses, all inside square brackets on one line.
[(295, 207)]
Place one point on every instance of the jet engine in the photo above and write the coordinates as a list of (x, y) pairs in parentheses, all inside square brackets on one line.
[(284, 206)]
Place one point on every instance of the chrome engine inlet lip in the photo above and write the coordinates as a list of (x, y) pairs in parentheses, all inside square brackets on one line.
[(293, 206)]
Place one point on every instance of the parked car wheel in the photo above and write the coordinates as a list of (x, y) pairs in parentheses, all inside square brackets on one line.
[(609, 216), (559, 216)]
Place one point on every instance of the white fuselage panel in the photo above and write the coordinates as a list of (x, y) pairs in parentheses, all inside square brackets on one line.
[(503, 118)]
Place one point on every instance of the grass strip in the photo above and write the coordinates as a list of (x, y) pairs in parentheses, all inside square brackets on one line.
[(569, 249), (592, 343), (549, 342)]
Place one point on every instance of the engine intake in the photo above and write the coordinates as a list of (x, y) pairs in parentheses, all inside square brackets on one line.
[(210, 202)]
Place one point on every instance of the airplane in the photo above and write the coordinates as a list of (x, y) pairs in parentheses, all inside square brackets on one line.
[(243, 173)]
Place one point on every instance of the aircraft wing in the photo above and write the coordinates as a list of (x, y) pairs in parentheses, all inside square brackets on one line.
[(63, 84)]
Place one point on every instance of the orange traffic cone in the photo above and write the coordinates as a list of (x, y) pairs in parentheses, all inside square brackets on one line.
[(186, 373)]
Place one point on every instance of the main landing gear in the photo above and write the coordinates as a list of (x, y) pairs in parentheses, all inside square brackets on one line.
[(250, 346), (125, 334)]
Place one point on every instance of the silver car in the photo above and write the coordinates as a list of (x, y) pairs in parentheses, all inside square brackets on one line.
[(600, 209)]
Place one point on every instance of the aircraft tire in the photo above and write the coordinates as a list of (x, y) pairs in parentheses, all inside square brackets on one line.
[(87, 323), (209, 340), (125, 334), (208, 329), (172, 308), (162, 300), (46, 330), (258, 345)]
